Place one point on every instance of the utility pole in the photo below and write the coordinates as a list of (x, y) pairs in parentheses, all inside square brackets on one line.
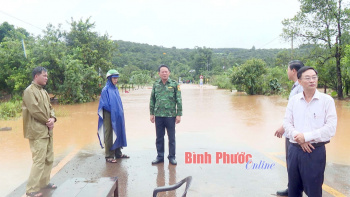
[(291, 53)]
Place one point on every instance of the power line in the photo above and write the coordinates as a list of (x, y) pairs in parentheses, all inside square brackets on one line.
[(21, 20), (269, 42)]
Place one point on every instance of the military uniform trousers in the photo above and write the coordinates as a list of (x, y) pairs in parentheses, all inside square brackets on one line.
[(108, 132), (42, 155), (167, 123)]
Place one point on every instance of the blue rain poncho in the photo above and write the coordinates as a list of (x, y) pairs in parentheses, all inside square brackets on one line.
[(110, 101)]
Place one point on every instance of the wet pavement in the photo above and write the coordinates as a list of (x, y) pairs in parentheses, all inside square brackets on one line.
[(216, 122)]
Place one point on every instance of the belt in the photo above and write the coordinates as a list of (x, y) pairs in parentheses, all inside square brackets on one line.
[(315, 145)]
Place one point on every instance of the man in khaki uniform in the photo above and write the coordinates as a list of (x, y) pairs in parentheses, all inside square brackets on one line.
[(38, 123)]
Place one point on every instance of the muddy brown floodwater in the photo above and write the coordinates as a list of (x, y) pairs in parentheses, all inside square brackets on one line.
[(226, 118)]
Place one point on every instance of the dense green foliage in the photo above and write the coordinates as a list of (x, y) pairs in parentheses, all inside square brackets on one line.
[(78, 59), (73, 60), (250, 76), (325, 24), (222, 81)]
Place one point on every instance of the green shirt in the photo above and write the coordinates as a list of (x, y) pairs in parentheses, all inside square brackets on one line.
[(166, 99)]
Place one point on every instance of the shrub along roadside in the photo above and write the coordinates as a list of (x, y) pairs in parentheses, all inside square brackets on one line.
[(11, 109), (222, 81)]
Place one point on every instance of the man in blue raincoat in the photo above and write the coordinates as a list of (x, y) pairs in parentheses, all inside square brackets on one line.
[(111, 123)]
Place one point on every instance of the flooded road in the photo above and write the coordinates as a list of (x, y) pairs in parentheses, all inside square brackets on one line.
[(213, 121)]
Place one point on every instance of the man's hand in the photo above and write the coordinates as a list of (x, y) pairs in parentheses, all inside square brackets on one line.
[(152, 118), (279, 132), (50, 123), (299, 138), (178, 119), (307, 147)]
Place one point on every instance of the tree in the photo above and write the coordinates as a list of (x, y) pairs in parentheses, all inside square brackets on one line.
[(126, 73), (14, 72), (50, 52), (202, 58), (89, 47), (180, 70), (88, 54), (346, 69), (250, 76), (80, 83), (5, 29), (140, 78), (321, 22), (283, 58)]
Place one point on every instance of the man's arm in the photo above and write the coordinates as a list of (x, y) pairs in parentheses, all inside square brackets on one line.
[(279, 132), (152, 104), (178, 99), (288, 121)]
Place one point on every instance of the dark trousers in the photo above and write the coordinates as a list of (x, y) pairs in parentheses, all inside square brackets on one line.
[(287, 145), (167, 123), (306, 171)]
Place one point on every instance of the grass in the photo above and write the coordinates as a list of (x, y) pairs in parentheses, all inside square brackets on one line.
[(10, 109)]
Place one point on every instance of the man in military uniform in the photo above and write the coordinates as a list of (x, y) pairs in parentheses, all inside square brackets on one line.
[(165, 111), (38, 124)]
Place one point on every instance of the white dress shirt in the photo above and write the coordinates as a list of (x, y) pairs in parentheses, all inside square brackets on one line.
[(296, 89), (317, 120)]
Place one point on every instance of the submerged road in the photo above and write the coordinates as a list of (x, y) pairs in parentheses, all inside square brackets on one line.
[(217, 125)]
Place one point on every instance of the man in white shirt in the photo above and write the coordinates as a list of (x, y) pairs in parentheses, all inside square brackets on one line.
[(292, 70), (309, 123)]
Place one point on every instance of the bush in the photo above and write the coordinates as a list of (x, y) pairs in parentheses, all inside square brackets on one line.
[(10, 109), (250, 77), (222, 81), (276, 80), (80, 84)]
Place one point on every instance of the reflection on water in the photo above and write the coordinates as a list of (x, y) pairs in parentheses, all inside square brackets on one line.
[(232, 117), (161, 177)]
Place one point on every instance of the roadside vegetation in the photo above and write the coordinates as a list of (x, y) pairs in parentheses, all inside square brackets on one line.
[(10, 109)]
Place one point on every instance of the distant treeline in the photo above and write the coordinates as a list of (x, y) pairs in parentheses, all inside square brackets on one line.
[(78, 59)]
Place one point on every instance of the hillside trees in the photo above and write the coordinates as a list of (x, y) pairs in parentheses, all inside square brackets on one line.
[(78, 59), (141, 78), (202, 60)]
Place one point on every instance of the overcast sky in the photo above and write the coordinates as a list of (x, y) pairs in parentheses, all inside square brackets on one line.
[(167, 23)]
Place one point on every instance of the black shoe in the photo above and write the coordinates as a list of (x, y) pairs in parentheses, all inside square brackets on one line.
[(173, 161), (156, 161), (282, 192)]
